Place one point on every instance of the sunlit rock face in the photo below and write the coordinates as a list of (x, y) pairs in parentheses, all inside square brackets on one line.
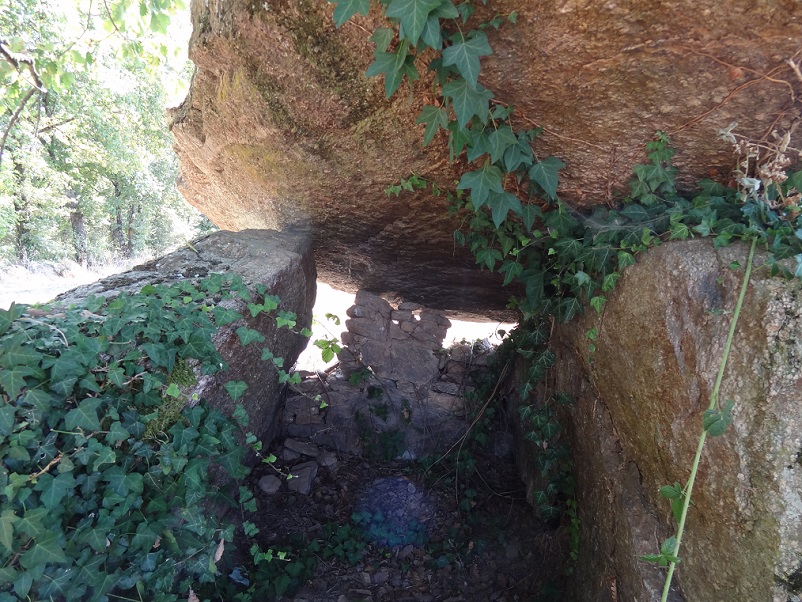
[(281, 127), (637, 416)]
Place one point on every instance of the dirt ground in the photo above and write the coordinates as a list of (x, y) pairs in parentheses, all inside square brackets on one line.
[(375, 531)]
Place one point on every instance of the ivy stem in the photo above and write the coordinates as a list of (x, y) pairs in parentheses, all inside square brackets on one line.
[(713, 401)]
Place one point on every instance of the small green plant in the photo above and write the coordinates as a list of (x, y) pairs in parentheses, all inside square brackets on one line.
[(360, 376), (329, 345), (344, 542)]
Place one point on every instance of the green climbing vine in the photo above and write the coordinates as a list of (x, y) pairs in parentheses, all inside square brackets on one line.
[(514, 222), (715, 421)]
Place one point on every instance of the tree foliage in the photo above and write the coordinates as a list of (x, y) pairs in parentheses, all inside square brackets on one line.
[(86, 163)]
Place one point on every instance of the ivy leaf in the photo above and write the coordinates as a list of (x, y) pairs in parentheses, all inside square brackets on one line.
[(478, 145), (446, 10), (84, 416), (529, 214), (394, 65), (488, 257), (635, 212), (609, 281), (6, 419), (517, 155), (625, 259), (597, 303), (348, 8), (7, 520), (235, 388), (434, 118), (500, 140), (223, 316), (382, 37), (53, 489), (12, 381), (468, 100), (559, 222), (432, 35), (545, 174), (412, 14), (464, 55), (481, 182), (16, 353), (511, 270), (249, 335), (500, 204), (46, 550), (7, 316)]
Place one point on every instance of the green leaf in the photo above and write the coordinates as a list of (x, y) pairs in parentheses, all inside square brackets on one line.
[(500, 204), (597, 303), (249, 335), (16, 352), (499, 140), (84, 416), (560, 222), (348, 8), (530, 213), (715, 422), (668, 547), (511, 270), (46, 550), (53, 489), (12, 381), (32, 522), (6, 419), (394, 65), (488, 257), (434, 118), (224, 316), (7, 316), (432, 35), (7, 520), (159, 22), (609, 281), (481, 182), (382, 37), (468, 100), (545, 173), (625, 259), (464, 55), (412, 14), (236, 388)]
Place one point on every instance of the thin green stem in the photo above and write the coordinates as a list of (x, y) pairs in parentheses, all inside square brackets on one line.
[(713, 400)]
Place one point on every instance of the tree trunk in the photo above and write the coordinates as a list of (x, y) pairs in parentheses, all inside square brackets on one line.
[(79, 242), (22, 230)]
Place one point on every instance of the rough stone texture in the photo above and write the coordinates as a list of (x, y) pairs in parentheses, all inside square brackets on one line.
[(403, 399), (303, 475), (281, 127), (660, 341), (282, 262)]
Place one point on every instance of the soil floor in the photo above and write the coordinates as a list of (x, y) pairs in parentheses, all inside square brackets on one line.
[(374, 530)]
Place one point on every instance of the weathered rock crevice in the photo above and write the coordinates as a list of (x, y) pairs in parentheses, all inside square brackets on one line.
[(282, 128)]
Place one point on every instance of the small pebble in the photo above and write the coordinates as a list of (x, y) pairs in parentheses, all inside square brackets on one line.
[(269, 484)]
